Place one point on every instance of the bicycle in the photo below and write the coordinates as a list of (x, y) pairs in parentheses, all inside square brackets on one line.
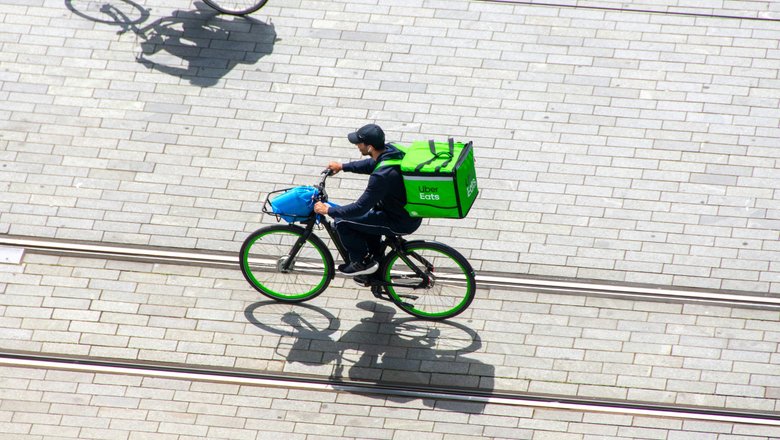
[(289, 263), (236, 7), (97, 10)]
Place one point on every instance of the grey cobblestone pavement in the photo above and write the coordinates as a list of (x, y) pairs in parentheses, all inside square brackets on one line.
[(41, 404), (620, 145), (629, 142), (508, 340)]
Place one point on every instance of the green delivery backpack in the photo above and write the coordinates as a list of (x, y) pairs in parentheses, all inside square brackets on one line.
[(440, 178)]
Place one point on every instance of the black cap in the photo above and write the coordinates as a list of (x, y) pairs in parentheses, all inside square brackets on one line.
[(370, 134)]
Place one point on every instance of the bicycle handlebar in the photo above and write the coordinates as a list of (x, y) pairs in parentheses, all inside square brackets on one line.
[(327, 172)]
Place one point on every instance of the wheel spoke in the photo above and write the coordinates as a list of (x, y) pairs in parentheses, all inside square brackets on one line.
[(449, 291), (266, 252)]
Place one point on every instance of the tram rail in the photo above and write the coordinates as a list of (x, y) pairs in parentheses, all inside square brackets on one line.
[(313, 383), (22, 359), (504, 280)]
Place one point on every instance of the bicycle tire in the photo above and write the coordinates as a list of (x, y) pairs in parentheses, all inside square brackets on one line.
[(451, 292), (264, 252), (236, 7)]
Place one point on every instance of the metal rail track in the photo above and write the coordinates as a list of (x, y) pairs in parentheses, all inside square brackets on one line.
[(230, 260), (676, 11), (248, 378), (251, 378)]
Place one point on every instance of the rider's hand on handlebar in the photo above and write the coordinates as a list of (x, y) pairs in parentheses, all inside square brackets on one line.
[(335, 167), (321, 208)]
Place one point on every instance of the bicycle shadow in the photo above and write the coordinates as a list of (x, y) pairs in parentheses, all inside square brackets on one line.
[(385, 350), (303, 323), (200, 45)]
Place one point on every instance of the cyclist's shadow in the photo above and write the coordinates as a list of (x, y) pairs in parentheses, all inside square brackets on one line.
[(383, 349), (198, 45)]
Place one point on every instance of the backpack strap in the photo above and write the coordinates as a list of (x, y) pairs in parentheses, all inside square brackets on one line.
[(391, 162), (388, 163)]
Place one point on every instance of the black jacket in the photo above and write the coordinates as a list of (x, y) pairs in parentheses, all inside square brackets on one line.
[(385, 190)]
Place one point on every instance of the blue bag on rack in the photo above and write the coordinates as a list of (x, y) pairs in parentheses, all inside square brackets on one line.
[(295, 204)]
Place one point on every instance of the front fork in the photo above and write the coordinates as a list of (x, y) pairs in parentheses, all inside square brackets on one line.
[(290, 260)]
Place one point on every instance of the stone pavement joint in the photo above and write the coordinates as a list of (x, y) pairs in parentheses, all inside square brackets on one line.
[(627, 143), (115, 406), (619, 142), (692, 354)]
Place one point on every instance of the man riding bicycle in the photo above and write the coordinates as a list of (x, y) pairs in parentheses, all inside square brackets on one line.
[(378, 211)]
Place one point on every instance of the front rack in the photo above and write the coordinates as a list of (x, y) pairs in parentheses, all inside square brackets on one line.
[(268, 209), (292, 218)]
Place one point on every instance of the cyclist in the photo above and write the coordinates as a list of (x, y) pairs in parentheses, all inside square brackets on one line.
[(378, 211)]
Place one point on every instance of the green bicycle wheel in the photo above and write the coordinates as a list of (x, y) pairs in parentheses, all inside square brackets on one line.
[(449, 291), (265, 254)]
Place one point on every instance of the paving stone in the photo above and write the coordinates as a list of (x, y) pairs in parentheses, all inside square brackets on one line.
[(556, 341), (711, 67), (631, 146), (386, 421)]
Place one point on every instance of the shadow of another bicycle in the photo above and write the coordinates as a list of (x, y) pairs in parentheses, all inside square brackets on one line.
[(200, 45)]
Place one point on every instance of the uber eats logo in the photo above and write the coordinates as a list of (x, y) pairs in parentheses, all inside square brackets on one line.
[(428, 192), (471, 187)]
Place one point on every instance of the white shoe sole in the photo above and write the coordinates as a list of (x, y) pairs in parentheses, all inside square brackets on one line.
[(367, 271)]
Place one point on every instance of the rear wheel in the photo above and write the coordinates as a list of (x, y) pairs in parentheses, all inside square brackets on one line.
[(447, 292), (267, 265), (236, 7)]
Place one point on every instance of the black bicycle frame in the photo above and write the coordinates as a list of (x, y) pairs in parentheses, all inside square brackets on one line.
[(393, 242)]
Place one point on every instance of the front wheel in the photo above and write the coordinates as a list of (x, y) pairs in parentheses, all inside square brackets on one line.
[(448, 290), (236, 7), (267, 265)]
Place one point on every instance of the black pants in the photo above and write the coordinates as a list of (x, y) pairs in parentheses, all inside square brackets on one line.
[(362, 235)]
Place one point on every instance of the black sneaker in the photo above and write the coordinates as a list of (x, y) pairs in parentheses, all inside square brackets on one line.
[(360, 280), (359, 268)]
